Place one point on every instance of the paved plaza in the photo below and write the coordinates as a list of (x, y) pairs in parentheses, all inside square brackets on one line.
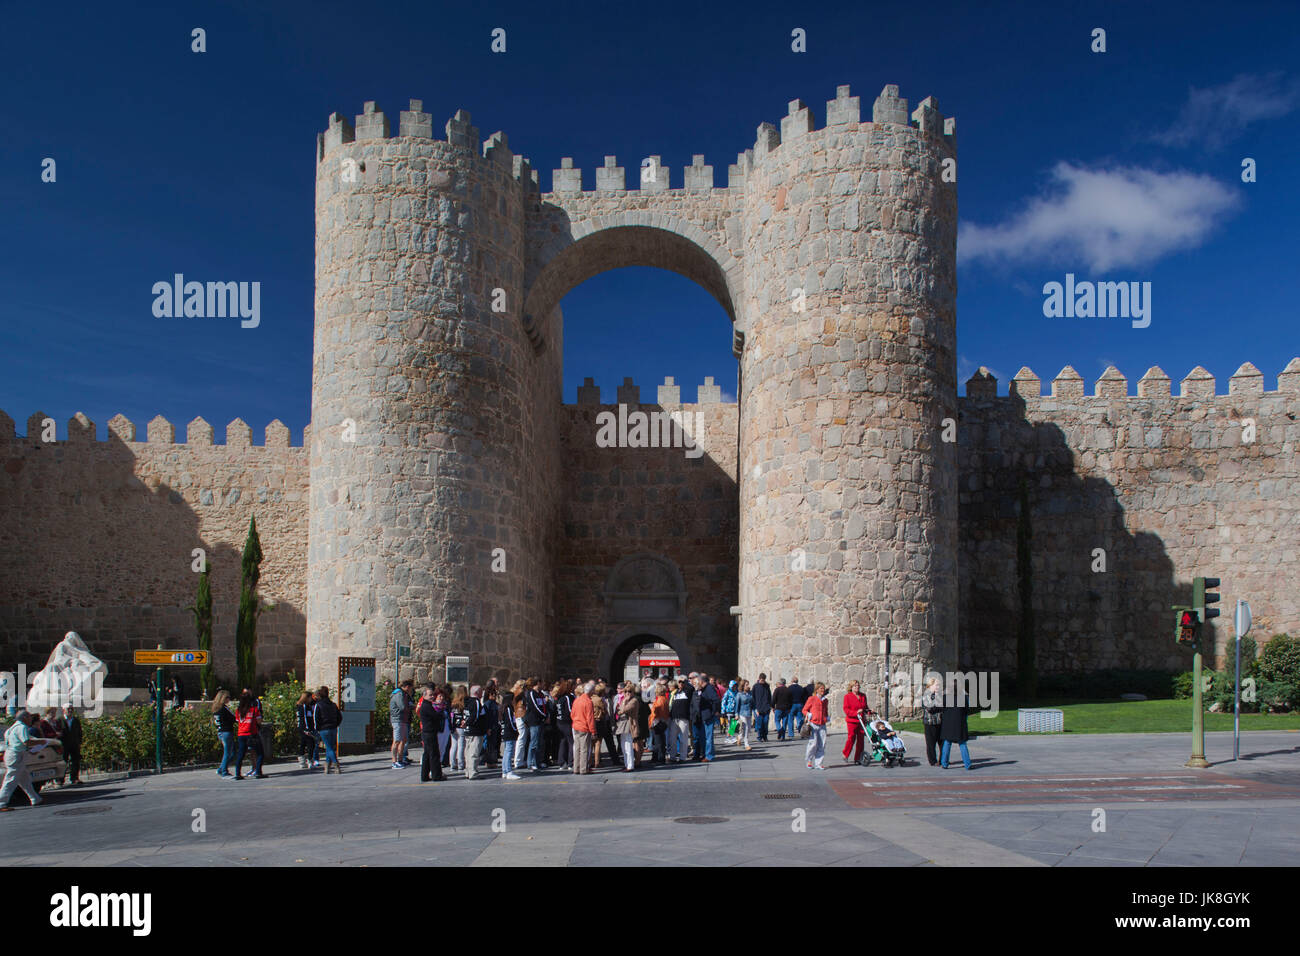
[(1029, 801)]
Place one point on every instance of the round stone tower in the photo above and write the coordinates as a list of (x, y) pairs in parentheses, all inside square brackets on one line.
[(848, 497), (433, 453)]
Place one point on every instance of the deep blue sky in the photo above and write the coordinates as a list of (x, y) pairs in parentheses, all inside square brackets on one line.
[(1122, 165)]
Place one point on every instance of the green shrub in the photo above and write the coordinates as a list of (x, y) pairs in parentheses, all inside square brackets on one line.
[(279, 708), (1182, 685), (1277, 694), (126, 741), (1280, 662)]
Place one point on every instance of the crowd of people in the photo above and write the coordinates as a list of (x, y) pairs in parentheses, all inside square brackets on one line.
[(569, 726), (573, 724)]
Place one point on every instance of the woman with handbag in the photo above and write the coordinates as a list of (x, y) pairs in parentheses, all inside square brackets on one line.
[(815, 710), (625, 710)]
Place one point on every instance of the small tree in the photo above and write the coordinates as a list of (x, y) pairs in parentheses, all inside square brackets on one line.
[(246, 626), (1026, 651), (202, 611)]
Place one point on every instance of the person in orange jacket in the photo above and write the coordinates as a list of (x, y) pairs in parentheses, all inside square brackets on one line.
[(583, 715), (659, 722), (855, 702), (816, 710)]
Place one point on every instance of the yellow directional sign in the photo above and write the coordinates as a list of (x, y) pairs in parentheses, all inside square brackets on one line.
[(171, 657)]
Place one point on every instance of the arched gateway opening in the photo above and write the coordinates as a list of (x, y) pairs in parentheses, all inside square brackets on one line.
[(649, 534), (645, 655)]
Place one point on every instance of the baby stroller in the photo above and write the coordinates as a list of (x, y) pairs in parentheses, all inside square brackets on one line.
[(885, 751)]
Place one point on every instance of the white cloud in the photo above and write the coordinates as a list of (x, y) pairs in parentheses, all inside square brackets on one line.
[(1104, 218), (1217, 114), (728, 398)]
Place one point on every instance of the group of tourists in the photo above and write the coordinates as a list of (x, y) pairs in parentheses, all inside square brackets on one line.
[(240, 731), (573, 723)]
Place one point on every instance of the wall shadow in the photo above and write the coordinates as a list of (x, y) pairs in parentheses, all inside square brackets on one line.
[(86, 545), (1085, 620)]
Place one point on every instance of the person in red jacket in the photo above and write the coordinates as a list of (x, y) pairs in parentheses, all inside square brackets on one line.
[(855, 702), (249, 718), (817, 709)]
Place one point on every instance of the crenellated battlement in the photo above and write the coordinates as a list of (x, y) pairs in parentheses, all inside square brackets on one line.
[(653, 176), (1196, 385), (79, 429), (669, 393)]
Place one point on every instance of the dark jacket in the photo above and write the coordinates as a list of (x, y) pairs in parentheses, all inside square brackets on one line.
[(326, 715), (797, 695), (224, 721), (536, 708), (763, 697), (952, 725), (564, 709), (704, 705), (306, 718), (506, 714), (782, 699), (69, 732), (477, 718), (432, 720), (679, 708)]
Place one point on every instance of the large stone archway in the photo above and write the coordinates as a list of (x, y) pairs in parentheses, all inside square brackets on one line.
[(574, 236)]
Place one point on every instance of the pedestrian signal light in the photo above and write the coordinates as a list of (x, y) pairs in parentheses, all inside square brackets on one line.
[(1187, 625)]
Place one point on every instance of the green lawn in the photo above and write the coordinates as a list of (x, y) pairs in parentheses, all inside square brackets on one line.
[(1124, 717)]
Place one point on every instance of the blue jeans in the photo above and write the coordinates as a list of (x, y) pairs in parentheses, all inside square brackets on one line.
[(227, 751), (507, 756), (783, 718), (798, 718), (329, 737), (762, 726), (535, 737), (947, 747), (247, 743), (704, 747)]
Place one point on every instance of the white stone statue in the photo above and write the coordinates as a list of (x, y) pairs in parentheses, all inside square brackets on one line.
[(71, 675)]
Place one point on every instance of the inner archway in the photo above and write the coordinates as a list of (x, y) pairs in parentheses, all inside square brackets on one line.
[(644, 655)]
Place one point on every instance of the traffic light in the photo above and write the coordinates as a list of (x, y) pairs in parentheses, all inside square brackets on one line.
[(1203, 596), (1186, 626)]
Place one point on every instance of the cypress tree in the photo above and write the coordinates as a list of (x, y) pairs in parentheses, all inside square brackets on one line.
[(1026, 649), (202, 611), (246, 626)]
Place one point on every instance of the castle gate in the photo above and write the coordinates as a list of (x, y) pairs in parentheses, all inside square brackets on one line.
[(831, 249)]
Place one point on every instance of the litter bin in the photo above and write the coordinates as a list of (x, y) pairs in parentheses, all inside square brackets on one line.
[(268, 742)]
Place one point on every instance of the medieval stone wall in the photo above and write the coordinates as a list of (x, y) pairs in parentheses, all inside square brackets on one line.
[(1168, 486), (96, 537), (657, 503)]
